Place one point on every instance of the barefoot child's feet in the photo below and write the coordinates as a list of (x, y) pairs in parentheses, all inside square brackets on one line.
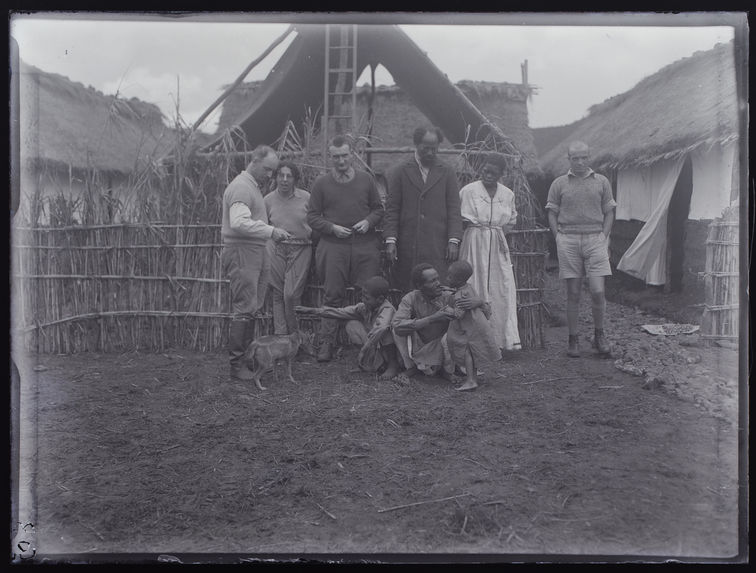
[(468, 385), (392, 366), (406, 376), (389, 373)]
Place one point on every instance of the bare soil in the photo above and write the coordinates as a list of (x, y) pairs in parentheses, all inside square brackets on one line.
[(555, 456)]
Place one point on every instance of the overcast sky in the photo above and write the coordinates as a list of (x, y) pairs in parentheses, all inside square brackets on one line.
[(573, 66)]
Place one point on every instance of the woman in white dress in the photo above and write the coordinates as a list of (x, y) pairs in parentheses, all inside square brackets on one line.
[(488, 212)]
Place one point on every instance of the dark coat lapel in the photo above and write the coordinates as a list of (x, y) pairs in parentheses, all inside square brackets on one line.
[(434, 175), (413, 174)]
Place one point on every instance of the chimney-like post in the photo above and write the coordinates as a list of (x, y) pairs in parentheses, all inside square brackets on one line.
[(524, 70)]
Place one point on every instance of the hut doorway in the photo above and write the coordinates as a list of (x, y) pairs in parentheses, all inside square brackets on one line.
[(679, 208)]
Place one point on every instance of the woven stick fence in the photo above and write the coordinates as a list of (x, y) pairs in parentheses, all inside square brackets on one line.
[(151, 287), (721, 315), (146, 273)]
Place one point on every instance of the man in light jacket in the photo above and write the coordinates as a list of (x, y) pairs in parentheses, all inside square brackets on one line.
[(245, 232)]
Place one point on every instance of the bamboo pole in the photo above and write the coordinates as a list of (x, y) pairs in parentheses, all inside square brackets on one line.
[(122, 277), (136, 313), (126, 225), (116, 248), (288, 154), (241, 77)]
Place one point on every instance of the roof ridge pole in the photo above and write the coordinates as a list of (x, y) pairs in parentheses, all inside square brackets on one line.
[(239, 80)]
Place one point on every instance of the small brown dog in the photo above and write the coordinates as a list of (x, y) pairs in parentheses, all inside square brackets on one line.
[(263, 354)]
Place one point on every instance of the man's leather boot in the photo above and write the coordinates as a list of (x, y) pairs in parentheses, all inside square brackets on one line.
[(237, 344), (600, 343), (572, 349)]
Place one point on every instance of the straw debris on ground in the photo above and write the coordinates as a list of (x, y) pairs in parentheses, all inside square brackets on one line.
[(162, 452)]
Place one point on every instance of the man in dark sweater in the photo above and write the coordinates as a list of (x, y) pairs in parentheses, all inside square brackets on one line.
[(344, 209)]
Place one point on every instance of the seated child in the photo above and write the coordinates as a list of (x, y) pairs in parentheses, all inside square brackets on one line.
[(369, 326), (469, 338)]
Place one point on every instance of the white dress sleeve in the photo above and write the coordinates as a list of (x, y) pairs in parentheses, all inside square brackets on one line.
[(467, 203)]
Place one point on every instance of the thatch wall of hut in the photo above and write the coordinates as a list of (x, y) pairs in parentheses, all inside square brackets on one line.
[(690, 103), (67, 123), (77, 141), (687, 110)]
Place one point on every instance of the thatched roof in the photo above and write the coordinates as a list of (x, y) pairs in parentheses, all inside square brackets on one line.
[(242, 96), (504, 104), (689, 103), (546, 138), (69, 125), (474, 89), (295, 84)]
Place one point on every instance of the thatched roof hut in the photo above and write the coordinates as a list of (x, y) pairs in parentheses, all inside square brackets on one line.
[(670, 144), (685, 105), (73, 127), (81, 150)]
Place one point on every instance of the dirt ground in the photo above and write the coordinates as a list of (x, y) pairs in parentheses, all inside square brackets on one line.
[(635, 455)]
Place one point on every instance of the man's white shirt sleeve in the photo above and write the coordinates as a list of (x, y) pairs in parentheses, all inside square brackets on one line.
[(240, 219)]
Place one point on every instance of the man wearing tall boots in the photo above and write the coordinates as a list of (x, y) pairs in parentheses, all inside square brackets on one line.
[(245, 232)]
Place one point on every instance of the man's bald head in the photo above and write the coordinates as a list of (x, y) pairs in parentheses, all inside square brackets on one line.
[(577, 146), (579, 154)]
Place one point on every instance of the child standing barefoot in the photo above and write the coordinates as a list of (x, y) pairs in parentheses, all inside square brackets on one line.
[(470, 337)]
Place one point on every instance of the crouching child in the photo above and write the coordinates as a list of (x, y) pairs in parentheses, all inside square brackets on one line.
[(368, 325)]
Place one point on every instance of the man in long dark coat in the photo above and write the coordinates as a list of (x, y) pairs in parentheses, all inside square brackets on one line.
[(423, 222)]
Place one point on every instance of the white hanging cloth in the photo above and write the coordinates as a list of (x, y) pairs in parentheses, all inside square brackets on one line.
[(646, 258), (635, 194), (712, 180)]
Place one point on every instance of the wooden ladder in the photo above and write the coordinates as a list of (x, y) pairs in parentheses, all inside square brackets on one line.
[(340, 82)]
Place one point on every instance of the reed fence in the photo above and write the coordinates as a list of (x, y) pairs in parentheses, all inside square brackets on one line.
[(721, 315), (157, 286), (143, 271)]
